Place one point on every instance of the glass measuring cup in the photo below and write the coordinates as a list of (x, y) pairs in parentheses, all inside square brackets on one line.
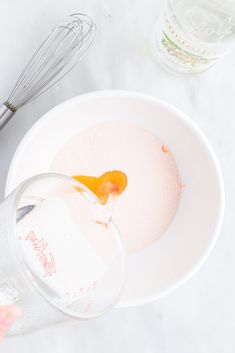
[(61, 256)]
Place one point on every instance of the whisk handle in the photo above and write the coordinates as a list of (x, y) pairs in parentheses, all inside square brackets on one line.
[(5, 115)]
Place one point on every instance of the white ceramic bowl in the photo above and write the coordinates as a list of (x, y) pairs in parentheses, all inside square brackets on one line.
[(158, 269)]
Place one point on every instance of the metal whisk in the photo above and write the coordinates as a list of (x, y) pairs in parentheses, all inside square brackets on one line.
[(56, 56)]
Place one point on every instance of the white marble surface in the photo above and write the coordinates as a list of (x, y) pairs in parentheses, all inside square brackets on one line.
[(199, 316)]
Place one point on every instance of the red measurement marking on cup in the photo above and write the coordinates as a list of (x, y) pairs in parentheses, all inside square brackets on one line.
[(44, 256), (84, 295), (86, 291)]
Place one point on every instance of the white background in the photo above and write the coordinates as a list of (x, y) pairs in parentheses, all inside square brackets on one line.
[(199, 317)]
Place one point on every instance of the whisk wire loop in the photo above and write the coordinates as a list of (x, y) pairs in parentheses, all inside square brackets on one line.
[(56, 56)]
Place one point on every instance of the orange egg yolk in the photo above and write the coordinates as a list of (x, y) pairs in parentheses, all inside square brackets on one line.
[(110, 183)]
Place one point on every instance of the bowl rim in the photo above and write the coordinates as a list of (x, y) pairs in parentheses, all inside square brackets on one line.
[(189, 123)]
